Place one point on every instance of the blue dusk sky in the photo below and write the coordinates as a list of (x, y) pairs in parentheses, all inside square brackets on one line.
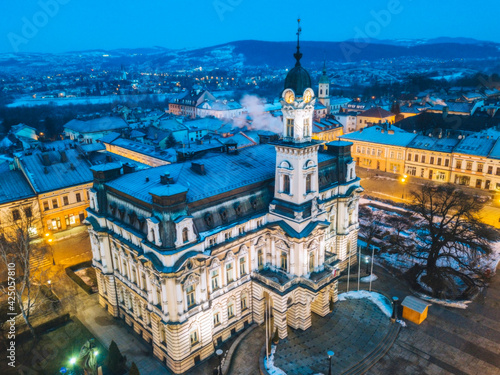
[(70, 25)]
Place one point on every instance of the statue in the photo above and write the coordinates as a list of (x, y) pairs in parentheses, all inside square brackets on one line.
[(87, 357)]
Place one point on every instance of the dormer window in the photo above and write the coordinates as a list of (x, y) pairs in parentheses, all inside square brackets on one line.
[(185, 235)]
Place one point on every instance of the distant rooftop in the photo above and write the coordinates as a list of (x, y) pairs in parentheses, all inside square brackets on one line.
[(97, 125)]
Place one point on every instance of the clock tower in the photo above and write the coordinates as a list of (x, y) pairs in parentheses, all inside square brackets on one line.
[(296, 184), (324, 89)]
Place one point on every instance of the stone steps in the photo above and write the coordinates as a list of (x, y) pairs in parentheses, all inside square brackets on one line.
[(380, 350)]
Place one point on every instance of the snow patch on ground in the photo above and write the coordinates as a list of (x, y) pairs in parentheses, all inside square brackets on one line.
[(378, 299), (402, 322), (444, 302), (273, 370), (369, 278)]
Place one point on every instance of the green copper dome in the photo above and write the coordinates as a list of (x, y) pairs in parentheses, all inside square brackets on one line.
[(298, 80)]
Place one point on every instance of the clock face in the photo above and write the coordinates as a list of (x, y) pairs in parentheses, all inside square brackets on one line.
[(308, 95), (289, 96)]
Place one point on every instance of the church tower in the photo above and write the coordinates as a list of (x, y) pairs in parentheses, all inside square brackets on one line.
[(324, 90), (296, 186)]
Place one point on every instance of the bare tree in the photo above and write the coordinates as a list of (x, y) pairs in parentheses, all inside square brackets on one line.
[(445, 237), (370, 225), (17, 248)]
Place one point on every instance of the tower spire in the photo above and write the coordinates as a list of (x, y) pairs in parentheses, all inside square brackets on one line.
[(297, 54)]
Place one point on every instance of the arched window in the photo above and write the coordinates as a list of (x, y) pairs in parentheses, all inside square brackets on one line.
[(308, 183), (185, 235), (286, 184), (244, 301), (321, 91), (284, 261), (260, 259), (311, 261), (230, 310), (289, 127)]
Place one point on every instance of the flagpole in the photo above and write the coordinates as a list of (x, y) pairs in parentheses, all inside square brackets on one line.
[(359, 265)]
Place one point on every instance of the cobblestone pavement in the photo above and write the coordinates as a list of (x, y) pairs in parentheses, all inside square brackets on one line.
[(352, 331), (450, 340), (246, 359)]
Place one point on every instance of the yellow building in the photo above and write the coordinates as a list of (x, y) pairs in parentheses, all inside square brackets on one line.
[(61, 180), (430, 158), (18, 202), (327, 130), (373, 116), (381, 147)]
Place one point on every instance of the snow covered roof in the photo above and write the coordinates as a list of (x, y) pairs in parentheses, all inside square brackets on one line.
[(476, 144), (56, 170), (393, 136), (434, 144), (97, 125), (223, 172), (415, 304), (13, 185)]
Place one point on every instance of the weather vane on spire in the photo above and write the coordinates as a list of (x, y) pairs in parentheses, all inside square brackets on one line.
[(297, 54)]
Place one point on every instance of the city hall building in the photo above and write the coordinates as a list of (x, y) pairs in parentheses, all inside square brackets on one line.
[(188, 254)]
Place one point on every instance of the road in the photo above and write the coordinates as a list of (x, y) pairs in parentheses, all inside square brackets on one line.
[(388, 186)]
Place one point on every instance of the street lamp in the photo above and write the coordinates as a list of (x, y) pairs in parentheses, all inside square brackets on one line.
[(50, 284), (403, 181), (367, 261), (330, 355), (394, 309), (219, 355)]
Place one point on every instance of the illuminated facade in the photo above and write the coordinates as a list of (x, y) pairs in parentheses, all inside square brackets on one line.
[(189, 253)]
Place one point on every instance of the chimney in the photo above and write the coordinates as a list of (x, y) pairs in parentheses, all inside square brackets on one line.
[(109, 159), (198, 168), (165, 179), (64, 157), (72, 166), (46, 159)]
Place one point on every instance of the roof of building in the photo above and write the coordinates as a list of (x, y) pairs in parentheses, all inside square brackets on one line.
[(223, 173), (13, 185), (144, 149), (55, 170), (97, 125), (476, 144), (298, 79), (434, 143), (428, 120), (390, 135), (376, 112)]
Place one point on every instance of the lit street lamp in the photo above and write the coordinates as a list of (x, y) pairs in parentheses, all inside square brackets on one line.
[(330, 355), (403, 181), (367, 261)]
